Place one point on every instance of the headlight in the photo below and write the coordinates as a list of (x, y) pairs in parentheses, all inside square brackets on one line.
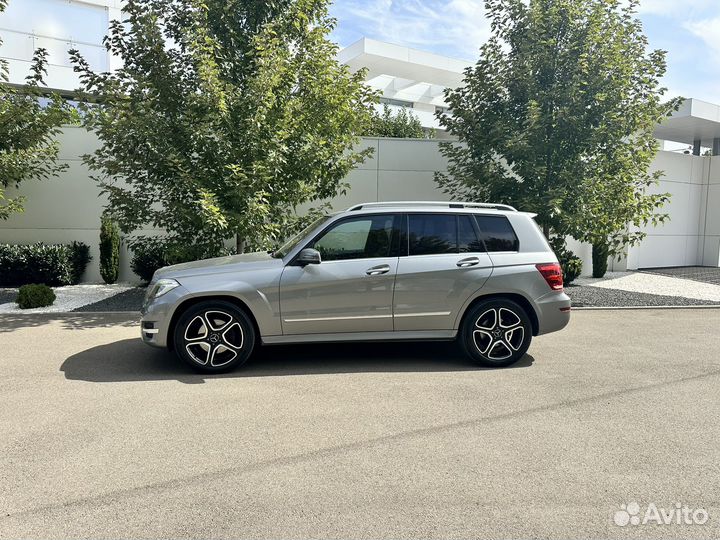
[(162, 286)]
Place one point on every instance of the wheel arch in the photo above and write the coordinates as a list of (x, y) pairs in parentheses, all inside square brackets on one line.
[(188, 303), (517, 298)]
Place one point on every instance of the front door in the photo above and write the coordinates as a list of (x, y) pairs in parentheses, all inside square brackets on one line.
[(446, 263), (351, 290)]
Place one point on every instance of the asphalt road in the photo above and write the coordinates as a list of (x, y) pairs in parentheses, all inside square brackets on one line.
[(101, 437)]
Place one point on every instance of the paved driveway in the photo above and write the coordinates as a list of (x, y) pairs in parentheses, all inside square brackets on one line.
[(102, 437)]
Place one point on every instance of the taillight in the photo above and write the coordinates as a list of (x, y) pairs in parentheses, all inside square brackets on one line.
[(552, 272)]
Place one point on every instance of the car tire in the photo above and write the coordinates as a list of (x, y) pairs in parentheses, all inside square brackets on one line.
[(214, 337), (496, 333)]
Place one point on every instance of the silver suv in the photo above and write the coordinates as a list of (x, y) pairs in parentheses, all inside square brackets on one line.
[(479, 273)]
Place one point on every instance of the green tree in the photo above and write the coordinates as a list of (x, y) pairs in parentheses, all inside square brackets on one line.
[(557, 118), (402, 124), (226, 115), (29, 123), (109, 250)]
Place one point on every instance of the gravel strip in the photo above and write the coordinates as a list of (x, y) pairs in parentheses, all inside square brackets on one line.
[(583, 296), (67, 298), (8, 295), (702, 274), (129, 300)]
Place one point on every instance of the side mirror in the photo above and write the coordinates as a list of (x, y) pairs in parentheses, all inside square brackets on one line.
[(308, 256)]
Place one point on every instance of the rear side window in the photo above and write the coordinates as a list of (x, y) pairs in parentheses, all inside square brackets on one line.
[(497, 233), (430, 234)]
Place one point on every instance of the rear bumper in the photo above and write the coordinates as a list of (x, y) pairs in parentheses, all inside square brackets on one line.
[(553, 311)]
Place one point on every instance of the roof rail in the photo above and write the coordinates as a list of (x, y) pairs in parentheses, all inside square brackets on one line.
[(444, 204)]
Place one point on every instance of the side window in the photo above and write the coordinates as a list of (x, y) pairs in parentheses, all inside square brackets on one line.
[(497, 233), (468, 241), (430, 234), (360, 238)]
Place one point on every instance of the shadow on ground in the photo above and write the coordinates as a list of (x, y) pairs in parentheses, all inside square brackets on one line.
[(10, 322), (132, 360)]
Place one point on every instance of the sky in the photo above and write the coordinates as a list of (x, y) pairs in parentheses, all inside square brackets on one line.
[(689, 30)]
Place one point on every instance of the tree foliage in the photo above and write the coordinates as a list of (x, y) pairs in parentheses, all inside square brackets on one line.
[(225, 115), (558, 117), (402, 124), (29, 123)]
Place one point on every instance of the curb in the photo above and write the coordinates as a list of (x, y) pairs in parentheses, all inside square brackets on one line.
[(622, 308)]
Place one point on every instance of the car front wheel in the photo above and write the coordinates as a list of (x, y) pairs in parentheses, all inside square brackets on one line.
[(214, 337), (496, 333)]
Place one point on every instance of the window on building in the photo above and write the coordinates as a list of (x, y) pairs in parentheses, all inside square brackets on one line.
[(397, 102), (497, 233)]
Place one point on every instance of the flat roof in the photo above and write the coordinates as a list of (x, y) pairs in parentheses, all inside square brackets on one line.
[(694, 120), (382, 58)]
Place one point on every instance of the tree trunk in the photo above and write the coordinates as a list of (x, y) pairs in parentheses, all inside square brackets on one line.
[(546, 231), (599, 259), (239, 244)]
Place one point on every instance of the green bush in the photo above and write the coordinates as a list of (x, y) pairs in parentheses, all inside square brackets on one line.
[(599, 260), (109, 250), (571, 264), (35, 296), (35, 263), (147, 259), (152, 255), (79, 259)]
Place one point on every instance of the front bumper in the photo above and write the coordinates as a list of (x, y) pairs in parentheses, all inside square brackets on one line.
[(157, 314)]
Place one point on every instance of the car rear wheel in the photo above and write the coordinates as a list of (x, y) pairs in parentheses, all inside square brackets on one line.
[(496, 333), (214, 337)]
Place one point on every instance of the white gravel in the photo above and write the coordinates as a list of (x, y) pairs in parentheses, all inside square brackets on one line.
[(71, 297), (640, 282)]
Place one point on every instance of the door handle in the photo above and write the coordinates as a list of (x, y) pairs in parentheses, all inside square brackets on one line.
[(377, 270), (470, 261)]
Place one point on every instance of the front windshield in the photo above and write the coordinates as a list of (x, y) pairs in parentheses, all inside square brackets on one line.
[(288, 246)]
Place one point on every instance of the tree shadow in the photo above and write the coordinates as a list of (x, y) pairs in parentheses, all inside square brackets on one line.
[(9, 322), (132, 360)]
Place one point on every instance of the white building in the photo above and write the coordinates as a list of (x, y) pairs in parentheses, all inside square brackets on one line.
[(57, 26), (68, 208), (406, 77)]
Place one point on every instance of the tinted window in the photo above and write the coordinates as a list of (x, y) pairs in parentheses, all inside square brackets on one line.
[(468, 241), (359, 238), (432, 233), (497, 233)]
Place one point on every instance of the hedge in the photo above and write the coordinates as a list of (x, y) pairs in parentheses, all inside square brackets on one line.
[(51, 264), (35, 296)]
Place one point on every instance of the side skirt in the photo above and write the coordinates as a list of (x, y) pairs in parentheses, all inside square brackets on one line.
[(414, 335)]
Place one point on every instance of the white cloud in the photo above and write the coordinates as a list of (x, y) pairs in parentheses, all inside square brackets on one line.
[(675, 8), (709, 31), (452, 27)]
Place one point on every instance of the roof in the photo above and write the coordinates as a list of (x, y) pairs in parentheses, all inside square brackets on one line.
[(694, 120), (382, 58)]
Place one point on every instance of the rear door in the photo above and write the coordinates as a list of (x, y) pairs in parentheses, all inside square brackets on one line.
[(446, 262)]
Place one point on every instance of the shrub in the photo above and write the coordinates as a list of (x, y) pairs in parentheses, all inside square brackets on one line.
[(150, 256), (35, 263), (147, 259), (79, 259), (571, 264), (600, 260), (35, 296), (109, 250)]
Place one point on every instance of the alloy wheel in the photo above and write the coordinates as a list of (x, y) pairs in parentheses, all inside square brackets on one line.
[(213, 338), (498, 333)]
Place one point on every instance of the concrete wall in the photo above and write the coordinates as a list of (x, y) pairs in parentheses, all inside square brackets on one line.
[(60, 210), (68, 208)]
